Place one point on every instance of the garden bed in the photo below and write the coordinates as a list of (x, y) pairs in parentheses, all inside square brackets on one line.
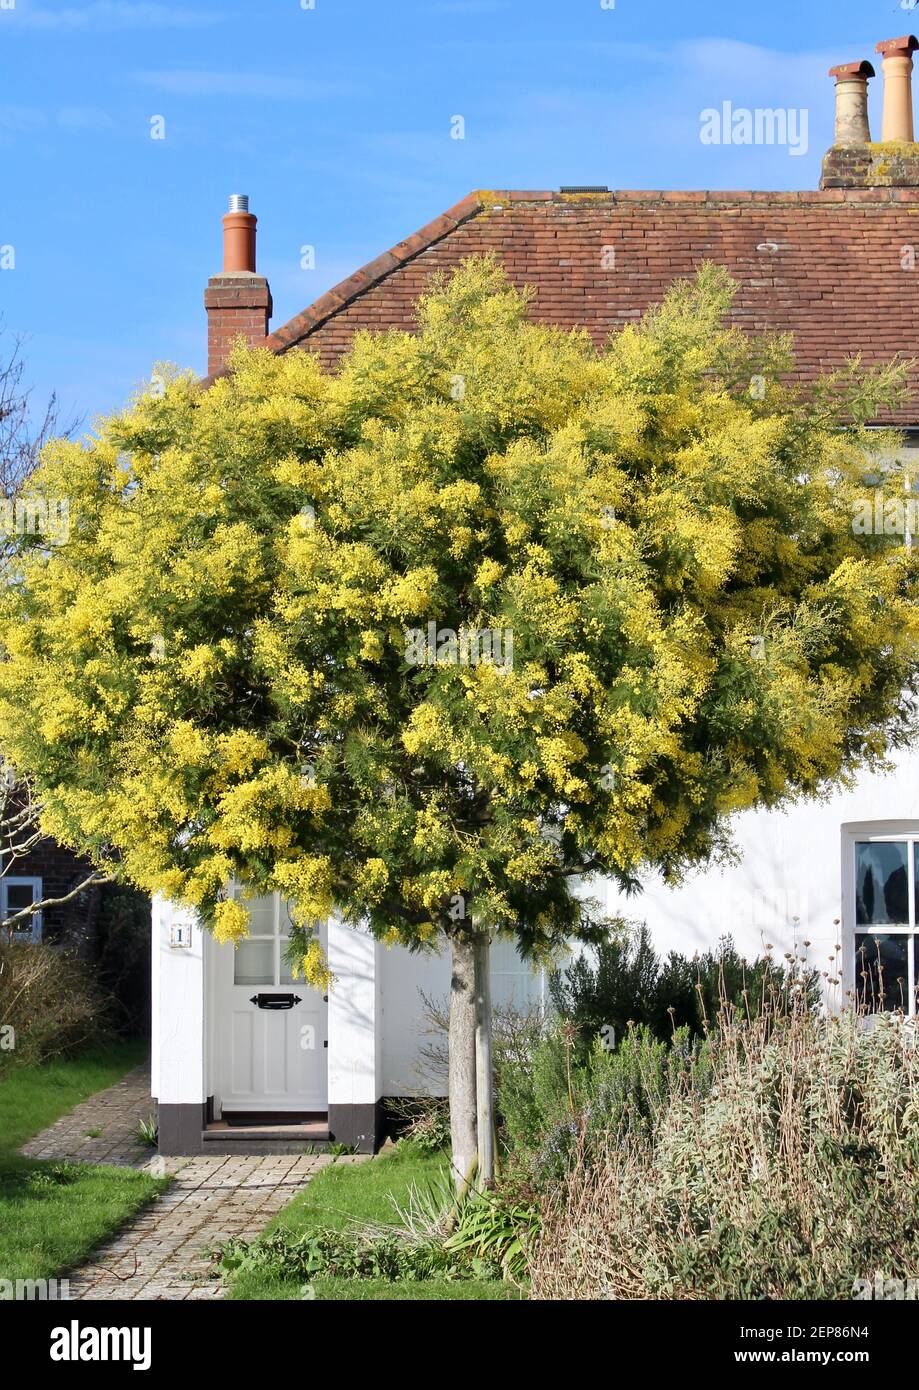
[(341, 1197)]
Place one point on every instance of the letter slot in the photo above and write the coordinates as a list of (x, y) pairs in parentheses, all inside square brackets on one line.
[(275, 1001)]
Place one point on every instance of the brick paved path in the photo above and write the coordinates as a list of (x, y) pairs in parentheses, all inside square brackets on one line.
[(116, 1112), (161, 1253)]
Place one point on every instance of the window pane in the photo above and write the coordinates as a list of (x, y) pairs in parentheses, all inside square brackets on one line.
[(286, 976), (18, 896), (881, 887), (261, 914), (882, 972), (254, 963)]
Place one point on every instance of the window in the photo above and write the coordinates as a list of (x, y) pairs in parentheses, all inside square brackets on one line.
[(261, 958), (15, 894), (882, 929)]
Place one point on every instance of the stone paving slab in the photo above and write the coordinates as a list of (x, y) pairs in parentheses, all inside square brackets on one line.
[(162, 1253)]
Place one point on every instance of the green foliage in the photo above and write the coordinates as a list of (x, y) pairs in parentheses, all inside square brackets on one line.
[(496, 1233), (533, 1094), (147, 1132), (121, 941), (622, 980), (792, 1172), (485, 1236), (566, 1096), (340, 1255), (211, 679), (49, 1177)]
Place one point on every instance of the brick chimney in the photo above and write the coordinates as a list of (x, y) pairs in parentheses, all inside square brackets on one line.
[(238, 301), (854, 161)]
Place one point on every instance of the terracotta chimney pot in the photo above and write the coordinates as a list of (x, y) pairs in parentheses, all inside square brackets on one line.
[(852, 103), (898, 94), (239, 236), (238, 301)]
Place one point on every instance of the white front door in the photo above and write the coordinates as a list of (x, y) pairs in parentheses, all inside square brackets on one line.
[(270, 1030)]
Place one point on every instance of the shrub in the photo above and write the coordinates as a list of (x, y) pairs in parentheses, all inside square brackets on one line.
[(791, 1172), (533, 1093), (564, 1096), (624, 981), (420, 1120), (49, 1000), (122, 956)]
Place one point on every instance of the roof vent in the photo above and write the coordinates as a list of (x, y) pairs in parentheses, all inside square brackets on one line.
[(583, 188), (239, 202)]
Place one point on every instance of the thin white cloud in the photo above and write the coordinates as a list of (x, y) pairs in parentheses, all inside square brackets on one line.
[(117, 14), (468, 6), (29, 120), (190, 82), (738, 62), (22, 120), (80, 118)]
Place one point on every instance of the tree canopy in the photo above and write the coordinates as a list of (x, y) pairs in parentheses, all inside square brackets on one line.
[(485, 611)]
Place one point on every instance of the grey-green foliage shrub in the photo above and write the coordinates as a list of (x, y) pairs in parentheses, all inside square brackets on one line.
[(564, 1093), (792, 1173), (623, 980)]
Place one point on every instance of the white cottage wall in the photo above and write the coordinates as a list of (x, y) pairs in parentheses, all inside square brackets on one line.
[(787, 885), (406, 979)]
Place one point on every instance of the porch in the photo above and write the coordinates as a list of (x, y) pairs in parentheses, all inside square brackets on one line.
[(247, 1059)]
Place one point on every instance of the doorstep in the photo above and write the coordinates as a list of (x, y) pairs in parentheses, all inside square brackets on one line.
[(221, 1138)]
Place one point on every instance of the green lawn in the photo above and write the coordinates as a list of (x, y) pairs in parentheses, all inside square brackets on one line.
[(52, 1215), (342, 1194)]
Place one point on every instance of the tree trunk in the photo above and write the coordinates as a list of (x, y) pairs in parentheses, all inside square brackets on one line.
[(484, 1081), (462, 1036)]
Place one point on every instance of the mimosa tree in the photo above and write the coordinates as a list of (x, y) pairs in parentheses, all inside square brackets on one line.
[(434, 640)]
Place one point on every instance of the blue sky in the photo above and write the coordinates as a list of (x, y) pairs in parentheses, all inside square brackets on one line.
[(336, 121)]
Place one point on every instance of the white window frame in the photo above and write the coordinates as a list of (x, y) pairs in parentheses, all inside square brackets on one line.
[(900, 831), (277, 935), (19, 882)]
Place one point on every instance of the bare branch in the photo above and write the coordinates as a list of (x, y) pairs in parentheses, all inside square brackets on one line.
[(97, 876)]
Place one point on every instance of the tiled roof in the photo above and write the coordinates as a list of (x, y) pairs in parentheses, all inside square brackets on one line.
[(828, 266)]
